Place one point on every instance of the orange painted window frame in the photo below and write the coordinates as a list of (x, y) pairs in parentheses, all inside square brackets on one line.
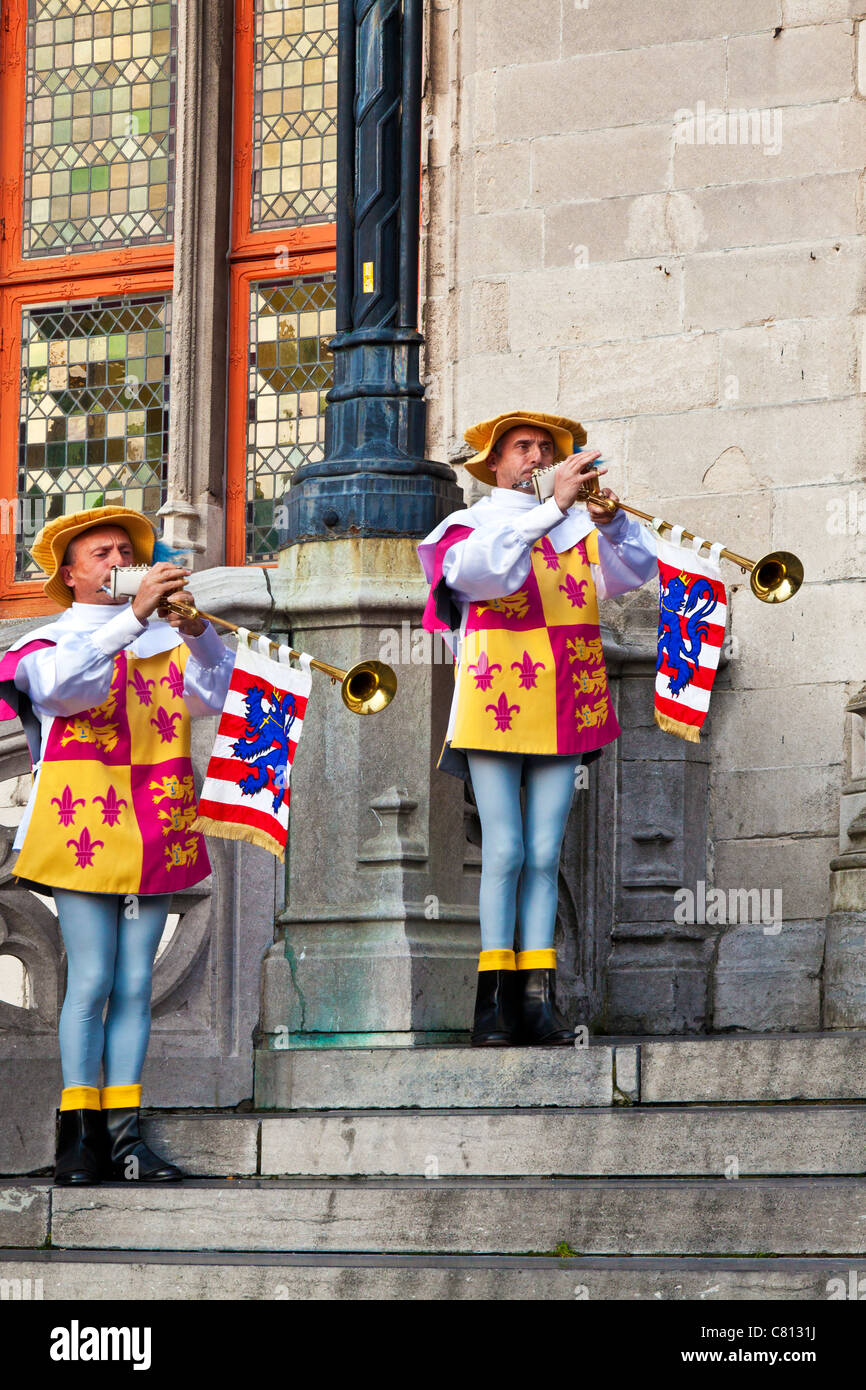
[(25, 598), (242, 276), (279, 254), (42, 280)]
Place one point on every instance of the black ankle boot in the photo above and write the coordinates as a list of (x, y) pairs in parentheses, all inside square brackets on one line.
[(80, 1148), (129, 1159), (495, 1013), (541, 1023)]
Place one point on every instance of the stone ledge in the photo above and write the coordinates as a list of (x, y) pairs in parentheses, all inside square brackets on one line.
[(622, 1141), (141, 1274), (786, 1067), (24, 1213), (431, 1077), (782, 1216), (757, 1068)]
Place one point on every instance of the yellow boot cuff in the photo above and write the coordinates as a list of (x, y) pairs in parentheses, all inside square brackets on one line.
[(496, 960), (535, 960), (79, 1098), (121, 1097)]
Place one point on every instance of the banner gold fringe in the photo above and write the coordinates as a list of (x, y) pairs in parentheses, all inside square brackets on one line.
[(228, 830), (673, 726)]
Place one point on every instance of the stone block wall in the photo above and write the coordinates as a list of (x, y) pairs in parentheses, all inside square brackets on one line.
[(650, 217)]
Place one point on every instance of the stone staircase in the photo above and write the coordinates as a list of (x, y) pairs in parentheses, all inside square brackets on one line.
[(718, 1168)]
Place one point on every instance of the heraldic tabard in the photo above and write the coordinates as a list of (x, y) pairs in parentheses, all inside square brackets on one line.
[(531, 676), (115, 797)]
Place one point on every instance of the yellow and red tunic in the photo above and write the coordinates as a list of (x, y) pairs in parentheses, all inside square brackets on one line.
[(531, 676), (115, 797)]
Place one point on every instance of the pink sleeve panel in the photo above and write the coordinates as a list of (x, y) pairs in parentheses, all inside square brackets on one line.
[(8, 667), (439, 601)]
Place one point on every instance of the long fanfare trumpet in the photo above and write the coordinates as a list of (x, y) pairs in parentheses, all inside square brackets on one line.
[(366, 688), (773, 579)]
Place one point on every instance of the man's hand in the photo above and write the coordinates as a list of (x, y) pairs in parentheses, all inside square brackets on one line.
[(573, 474), (601, 515), (165, 580), (188, 627)]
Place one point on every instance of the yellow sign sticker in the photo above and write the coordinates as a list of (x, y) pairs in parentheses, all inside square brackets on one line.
[(369, 285)]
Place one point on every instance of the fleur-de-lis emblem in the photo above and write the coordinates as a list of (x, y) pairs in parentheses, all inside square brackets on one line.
[(66, 806), (482, 673), (111, 805), (164, 724), (174, 681), (503, 712), (573, 590), (142, 688), (85, 848), (528, 670), (551, 559)]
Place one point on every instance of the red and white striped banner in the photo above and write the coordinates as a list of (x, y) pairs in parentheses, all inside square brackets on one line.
[(246, 793), (692, 612)]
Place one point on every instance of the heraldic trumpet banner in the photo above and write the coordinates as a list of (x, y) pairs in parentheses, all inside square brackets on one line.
[(692, 612), (246, 792)]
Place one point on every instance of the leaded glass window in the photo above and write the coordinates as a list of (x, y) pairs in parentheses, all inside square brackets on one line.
[(295, 113), (290, 372), (94, 407), (99, 124)]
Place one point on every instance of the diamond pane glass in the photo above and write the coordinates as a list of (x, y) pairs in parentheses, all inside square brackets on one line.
[(99, 124), (289, 375), (294, 113), (94, 408)]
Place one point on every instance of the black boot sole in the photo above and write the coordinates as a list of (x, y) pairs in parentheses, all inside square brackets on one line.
[(131, 1182), (547, 1042)]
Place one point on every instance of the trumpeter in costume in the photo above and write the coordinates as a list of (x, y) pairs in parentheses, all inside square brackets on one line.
[(517, 582), (105, 695)]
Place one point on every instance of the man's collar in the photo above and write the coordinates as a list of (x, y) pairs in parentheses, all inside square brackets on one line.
[(511, 497)]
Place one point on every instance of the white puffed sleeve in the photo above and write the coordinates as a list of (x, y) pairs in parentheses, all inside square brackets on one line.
[(627, 556), (495, 559), (75, 673), (207, 673)]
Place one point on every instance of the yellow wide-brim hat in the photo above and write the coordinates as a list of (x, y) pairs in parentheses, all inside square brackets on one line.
[(567, 435), (49, 547)]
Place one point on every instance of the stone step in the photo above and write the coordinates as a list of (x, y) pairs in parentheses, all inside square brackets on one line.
[(622, 1216), (87, 1277), (670, 1141), (383, 1078), (656, 1071)]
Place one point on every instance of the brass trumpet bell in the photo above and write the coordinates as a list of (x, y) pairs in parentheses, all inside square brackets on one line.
[(776, 577), (773, 579), (368, 687)]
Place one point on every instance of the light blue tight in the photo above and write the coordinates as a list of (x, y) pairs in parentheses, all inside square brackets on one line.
[(109, 958), (520, 852)]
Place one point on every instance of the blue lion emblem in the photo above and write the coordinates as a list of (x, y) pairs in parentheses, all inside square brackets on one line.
[(676, 599), (266, 743)]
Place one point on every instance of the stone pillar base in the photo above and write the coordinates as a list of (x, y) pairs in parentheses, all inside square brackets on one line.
[(399, 980), (378, 941), (658, 979), (845, 970)]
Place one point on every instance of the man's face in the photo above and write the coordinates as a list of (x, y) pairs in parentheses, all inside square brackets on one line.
[(95, 553), (521, 449)]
